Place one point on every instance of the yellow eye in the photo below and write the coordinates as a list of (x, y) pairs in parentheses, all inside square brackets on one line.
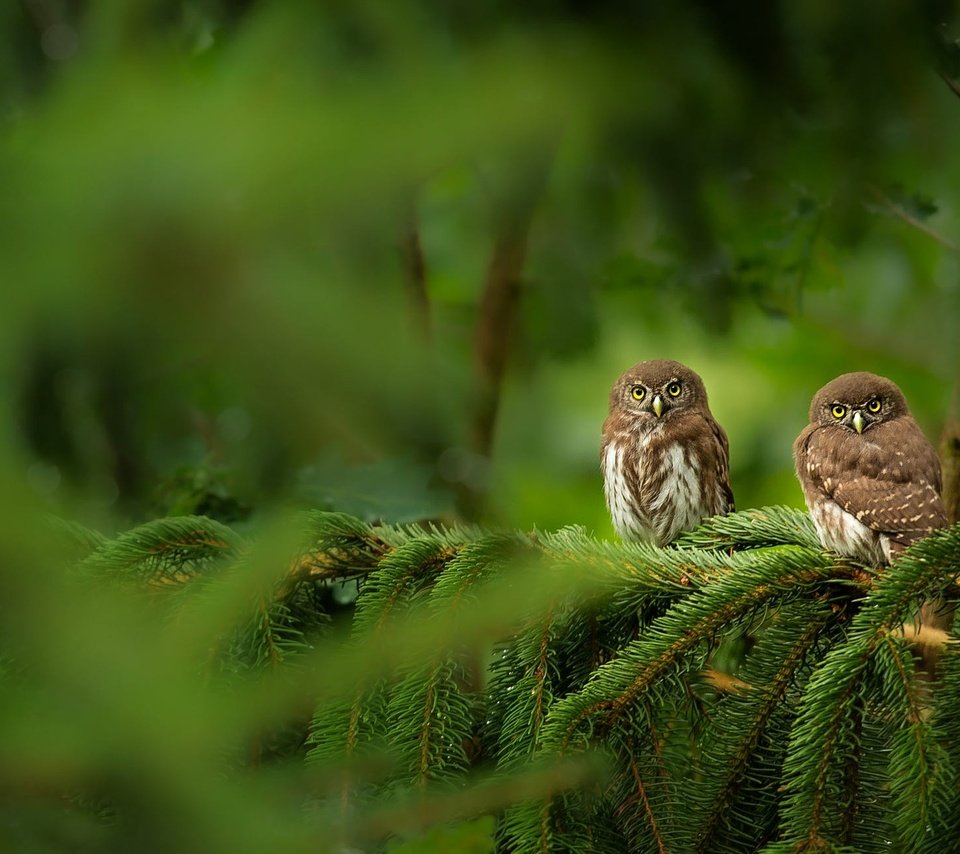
[(638, 392), (673, 389), (839, 411), (874, 405)]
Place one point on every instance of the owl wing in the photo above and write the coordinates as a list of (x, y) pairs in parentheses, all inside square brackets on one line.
[(894, 493), (905, 512), (724, 489)]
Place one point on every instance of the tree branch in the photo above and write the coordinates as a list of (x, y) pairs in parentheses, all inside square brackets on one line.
[(494, 332), (900, 213), (515, 192), (415, 271)]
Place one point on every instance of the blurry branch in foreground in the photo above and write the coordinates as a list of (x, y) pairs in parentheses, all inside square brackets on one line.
[(822, 735)]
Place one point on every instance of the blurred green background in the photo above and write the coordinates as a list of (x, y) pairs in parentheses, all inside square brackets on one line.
[(249, 249), (388, 258)]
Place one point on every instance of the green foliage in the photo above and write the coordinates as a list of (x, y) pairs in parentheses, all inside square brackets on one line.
[(399, 490), (214, 207), (258, 252), (470, 837), (485, 675), (163, 551)]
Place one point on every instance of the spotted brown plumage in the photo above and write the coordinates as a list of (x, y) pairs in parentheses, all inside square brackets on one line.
[(870, 478), (664, 457)]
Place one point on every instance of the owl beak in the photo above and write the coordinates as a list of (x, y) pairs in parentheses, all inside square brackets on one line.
[(858, 422), (658, 405)]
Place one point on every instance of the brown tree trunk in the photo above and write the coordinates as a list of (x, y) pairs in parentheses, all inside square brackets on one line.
[(415, 271), (494, 330), (515, 193), (491, 350), (950, 458), (937, 618)]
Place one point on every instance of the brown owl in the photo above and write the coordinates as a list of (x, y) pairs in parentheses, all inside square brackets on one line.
[(870, 477), (664, 458)]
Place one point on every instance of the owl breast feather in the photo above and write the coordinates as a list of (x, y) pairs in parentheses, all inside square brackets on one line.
[(843, 533), (653, 489)]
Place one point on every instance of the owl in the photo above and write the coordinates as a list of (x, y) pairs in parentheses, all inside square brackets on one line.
[(664, 458), (870, 477)]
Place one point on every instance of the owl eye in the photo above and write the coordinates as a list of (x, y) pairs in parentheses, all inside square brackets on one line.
[(638, 392), (673, 389), (839, 411), (874, 405)]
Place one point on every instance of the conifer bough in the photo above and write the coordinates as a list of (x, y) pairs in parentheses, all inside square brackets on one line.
[(742, 690)]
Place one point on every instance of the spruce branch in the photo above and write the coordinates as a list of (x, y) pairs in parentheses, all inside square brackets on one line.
[(348, 727), (78, 541), (775, 574), (409, 810), (763, 526), (525, 676), (917, 759), (164, 552), (824, 743), (743, 741), (647, 833), (827, 739), (945, 724), (434, 709)]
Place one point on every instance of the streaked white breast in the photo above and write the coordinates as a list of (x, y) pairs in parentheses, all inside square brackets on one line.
[(845, 534)]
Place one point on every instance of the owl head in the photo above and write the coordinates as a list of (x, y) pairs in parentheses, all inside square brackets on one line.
[(858, 402), (657, 390)]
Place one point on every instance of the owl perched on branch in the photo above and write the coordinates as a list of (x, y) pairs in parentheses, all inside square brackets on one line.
[(665, 459), (870, 477)]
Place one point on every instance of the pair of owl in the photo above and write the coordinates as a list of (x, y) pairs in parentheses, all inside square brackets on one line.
[(870, 478)]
